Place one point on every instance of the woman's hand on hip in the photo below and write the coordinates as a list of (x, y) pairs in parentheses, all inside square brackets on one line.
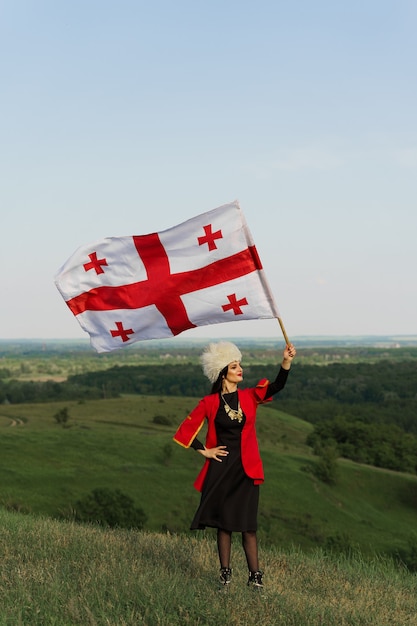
[(215, 453)]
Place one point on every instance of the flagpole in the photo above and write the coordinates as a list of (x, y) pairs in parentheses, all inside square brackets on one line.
[(280, 322)]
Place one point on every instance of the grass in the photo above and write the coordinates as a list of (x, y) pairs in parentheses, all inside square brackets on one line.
[(62, 574)]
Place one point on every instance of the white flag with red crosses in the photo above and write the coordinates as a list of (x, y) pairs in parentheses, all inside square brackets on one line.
[(203, 271)]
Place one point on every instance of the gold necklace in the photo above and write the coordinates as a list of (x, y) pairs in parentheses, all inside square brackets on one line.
[(233, 413)]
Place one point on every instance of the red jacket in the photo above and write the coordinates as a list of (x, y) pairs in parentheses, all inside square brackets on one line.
[(207, 409)]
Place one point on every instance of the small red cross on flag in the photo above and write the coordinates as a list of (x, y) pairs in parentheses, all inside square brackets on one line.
[(203, 271)]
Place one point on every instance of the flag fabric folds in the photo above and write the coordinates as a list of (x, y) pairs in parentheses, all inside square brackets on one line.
[(203, 271)]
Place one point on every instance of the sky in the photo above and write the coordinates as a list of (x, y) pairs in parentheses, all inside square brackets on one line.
[(129, 117)]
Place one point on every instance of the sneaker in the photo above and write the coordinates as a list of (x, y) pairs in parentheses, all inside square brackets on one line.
[(225, 577), (255, 580)]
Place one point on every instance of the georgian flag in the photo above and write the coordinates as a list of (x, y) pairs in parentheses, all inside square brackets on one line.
[(203, 271)]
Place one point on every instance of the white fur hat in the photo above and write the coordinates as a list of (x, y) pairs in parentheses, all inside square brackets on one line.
[(216, 356)]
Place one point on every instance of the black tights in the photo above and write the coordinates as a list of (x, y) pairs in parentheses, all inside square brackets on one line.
[(249, 543)]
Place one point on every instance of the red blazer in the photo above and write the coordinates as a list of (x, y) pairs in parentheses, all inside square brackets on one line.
[(207, 409)]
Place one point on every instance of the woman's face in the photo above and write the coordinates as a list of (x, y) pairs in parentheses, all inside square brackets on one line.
[(234, 373)]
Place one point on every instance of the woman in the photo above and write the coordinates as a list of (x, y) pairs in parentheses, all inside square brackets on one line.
[(231, 475)]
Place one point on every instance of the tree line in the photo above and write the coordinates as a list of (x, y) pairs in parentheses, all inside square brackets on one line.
[(376, 393)]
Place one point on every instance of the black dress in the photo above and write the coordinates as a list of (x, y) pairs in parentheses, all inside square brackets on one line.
[(229, 499)]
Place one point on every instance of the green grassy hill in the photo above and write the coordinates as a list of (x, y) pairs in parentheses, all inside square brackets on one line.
[(65, 574), (116, 443)]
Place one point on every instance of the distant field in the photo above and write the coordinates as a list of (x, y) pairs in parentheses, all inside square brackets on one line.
[(56, 361)]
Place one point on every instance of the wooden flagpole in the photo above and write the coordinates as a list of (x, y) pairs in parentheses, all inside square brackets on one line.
[(287, 341)]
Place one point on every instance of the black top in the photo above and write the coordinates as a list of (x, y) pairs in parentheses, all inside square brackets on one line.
[(273, 388)]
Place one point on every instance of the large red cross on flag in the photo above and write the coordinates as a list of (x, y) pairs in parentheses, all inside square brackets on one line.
[(203, 271)]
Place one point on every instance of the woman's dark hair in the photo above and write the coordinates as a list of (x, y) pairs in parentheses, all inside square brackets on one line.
[(217, 385)]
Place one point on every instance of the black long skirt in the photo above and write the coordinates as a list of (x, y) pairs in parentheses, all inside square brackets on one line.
[(229, 499)]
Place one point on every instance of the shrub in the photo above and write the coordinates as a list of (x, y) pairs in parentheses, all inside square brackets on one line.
[(163, 420), (325, 469), (167, 451), (110, 508), (339, 543), (408, 556), (62, 416)]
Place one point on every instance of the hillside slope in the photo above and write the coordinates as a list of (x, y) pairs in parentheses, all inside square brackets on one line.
[(119, 444)]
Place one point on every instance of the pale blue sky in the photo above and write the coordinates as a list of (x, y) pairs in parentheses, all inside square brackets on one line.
[(128, 117)]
